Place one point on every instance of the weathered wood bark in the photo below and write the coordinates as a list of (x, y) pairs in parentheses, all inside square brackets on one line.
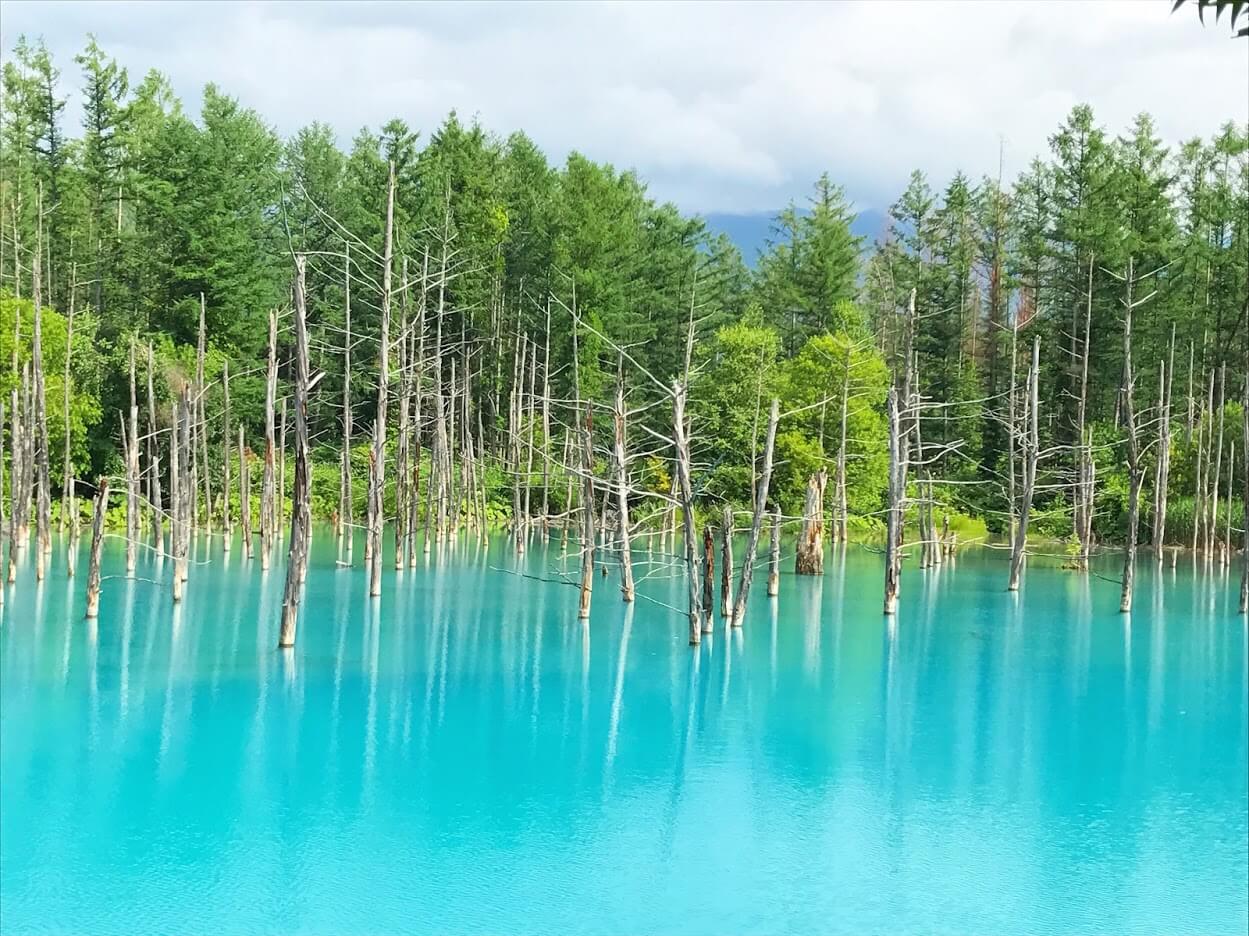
[(843, 504), (183, 482), (153, 460), (245, 496), (268, 481), (377, 455), (809, 558), (346, 507), (175, 495), (546, 423), (301, 510), (896, 496), (1083, 500), (201, 420), (709, 580), (1031, 451), (1162, 471), (1134, 455), (622, 491), (280, 500), (133, 519), (692, 574), (227, 456), (1244, 493), (587, 518), (402, 532), (39, 421), (67, 476), (97, 540), (15, 485), (1199, 499), (1225, 548), (4, 523), (774, 557), (756, 523), (1212, 515), (726, 563)]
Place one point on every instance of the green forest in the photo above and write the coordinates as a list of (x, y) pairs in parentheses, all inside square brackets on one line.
[(531, 286)]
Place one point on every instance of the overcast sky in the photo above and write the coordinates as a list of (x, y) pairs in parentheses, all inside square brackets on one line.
[(722, 108)]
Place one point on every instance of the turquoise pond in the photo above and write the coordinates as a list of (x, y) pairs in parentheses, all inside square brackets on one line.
[(463, 756)]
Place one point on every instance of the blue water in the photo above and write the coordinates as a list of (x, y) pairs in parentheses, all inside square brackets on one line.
[(464, 756)]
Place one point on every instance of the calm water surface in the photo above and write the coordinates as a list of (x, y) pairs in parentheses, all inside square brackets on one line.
[(464, 756)]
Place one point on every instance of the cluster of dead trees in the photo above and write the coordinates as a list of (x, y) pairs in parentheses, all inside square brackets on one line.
[(604, 510)]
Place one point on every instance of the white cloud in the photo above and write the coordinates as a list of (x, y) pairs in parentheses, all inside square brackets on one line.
[(722, 107)]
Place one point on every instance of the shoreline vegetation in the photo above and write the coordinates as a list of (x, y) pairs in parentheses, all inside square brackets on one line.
[(206, 328)]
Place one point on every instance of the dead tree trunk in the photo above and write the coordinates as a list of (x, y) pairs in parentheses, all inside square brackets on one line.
[(756, 524), (587, 519), (1199, 498), (1244, 493), (280, 499), (175, 497), (132, 475), (843, 505), (709, 580), (301, 511), (346, 509), (1163, 467), (1212, 516), (1134, 455), (67, 478), (227, 439), (402, 442), (726, 564), (774, 557), (245, 496), (267, 481), (377, 457), (686, 495), (39, 422), (622, 492), (201, 421), (1032, 450), (809, 558), (1083, 512), (97, 540), (153, 460), (896, 493)]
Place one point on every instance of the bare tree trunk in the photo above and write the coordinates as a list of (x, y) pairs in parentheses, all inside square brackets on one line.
[(158, 534), (1032, 449), (709, 580), (346, 507), (245, 496), (622, 491), (693, 576), (546, 422), (1084, 476), (774, 557), (1199, 499), (1244, 493), (726, 563), (402, 532), (280, 499), (897, 493), (843, 506), (15, 485), (809, 558), (267, 482), (132, 475), (227, 439), (756, 524), (97, 540), (175, 497), (1163, 465), (377, 458), (1011, 420), (38, 422), (1212, 518), (201, 421), (1225, 548), (301, 511), (587, 519), (67, 478), (1134, 466)]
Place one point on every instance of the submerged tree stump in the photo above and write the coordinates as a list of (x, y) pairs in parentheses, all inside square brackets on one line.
[(774, 557), (97, 539), (809, 558)]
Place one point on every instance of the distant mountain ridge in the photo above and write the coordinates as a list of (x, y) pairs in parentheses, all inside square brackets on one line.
[(750, 231)]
